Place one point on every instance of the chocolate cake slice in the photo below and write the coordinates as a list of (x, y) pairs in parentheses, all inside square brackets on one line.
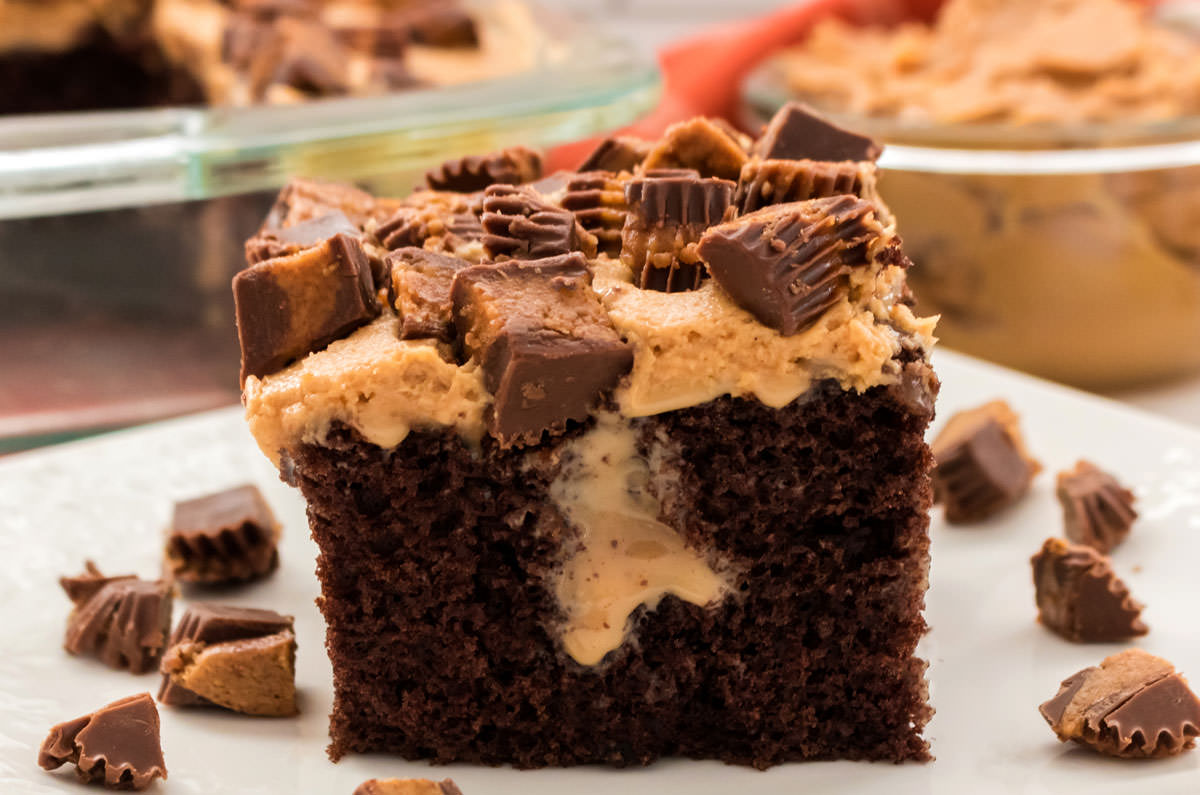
[(590, 520)]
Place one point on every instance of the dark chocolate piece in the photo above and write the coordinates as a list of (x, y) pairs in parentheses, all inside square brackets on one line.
[(797, 132), (281, 242), (291, 306), (698, 144), (616, 154), (982, 465), (407, 786), (1097, 510), (766, 182), (226, 537), (598, 201), (789, 263), (518, 224), (1134, 706), (121, 620), (668, 214), (118, 745), (420, 292), (1080, 597), (442, 24), (512, 166), (553, 184), (211, 624), (253, 676), (546, 345)]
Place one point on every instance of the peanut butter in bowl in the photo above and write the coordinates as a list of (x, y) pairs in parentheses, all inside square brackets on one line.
[(1045, 158)]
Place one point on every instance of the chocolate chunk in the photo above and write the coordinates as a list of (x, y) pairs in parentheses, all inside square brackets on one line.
[(789, 263), (518, 224), (118, 745), (698, 144), (291, 306), (226, 537), (511, 166), (546, 345), (407, 226), (616, 154), (982, 465), (766, 182), (668, 214), (1134, 706), (1080, 597), (253, 676), (211, 625), (420, 291), (1097, 510), (281, 242), (407, 786), (598, 202), (122, 620), (797, 132), (551, 186)]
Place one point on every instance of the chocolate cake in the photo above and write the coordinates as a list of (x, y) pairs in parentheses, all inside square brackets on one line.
[(598, 508)]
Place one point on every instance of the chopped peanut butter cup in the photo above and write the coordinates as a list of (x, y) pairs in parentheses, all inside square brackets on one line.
[(291, 306), (122, 620), (1134, 706), (982, 464), (598, 201), (1097, 510), (616, 154), (766, 182), (512, 166), (518, 224), (117, 745), (787, 264), (226, 537), (797, 132), (420, 292), (700, 144), (280, 242), (1080, 597), (547, 347)]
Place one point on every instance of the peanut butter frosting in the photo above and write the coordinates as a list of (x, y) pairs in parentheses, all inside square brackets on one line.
[(1011, 61)]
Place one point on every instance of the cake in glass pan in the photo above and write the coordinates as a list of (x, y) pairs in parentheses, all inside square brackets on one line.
[(608, 465)]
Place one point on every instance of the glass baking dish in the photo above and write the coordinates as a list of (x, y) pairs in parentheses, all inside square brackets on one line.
[(120, 231), (1071, 252)]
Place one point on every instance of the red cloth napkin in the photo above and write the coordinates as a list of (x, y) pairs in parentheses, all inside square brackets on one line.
[(702, 75)]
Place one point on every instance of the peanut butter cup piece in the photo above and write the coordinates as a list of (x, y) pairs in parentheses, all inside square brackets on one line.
[(797, 132), (669, 212), (226, 537), (206, 625), (122, 620), (253, 676), (420, 292), (407, 786), (305, 199), (290, 306), (518, 224), (787, 264), (511, 166), (616, 154), (598, 201), (1080, 597), (766, 182), (1133, 706), (698, 144), (982, 465), (280, 242), (118, 745), (1097, 510), (548, 349)]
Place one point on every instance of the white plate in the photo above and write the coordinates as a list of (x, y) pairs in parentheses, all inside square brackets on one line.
[(991, 664)]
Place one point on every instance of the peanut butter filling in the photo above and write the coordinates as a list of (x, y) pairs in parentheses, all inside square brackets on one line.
[(625, 557)]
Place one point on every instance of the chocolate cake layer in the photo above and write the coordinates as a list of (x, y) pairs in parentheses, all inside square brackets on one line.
[(437, 563)]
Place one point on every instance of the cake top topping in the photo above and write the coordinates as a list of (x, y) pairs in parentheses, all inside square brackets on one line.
[(117, 745), (799, 133), (810, 287), (1080, 597), (1097, 510)]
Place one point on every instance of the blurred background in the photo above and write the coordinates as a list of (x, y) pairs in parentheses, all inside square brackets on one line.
[(1046, 179)]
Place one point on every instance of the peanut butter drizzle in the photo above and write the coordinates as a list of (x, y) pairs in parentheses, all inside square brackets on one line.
[(625, 557)]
